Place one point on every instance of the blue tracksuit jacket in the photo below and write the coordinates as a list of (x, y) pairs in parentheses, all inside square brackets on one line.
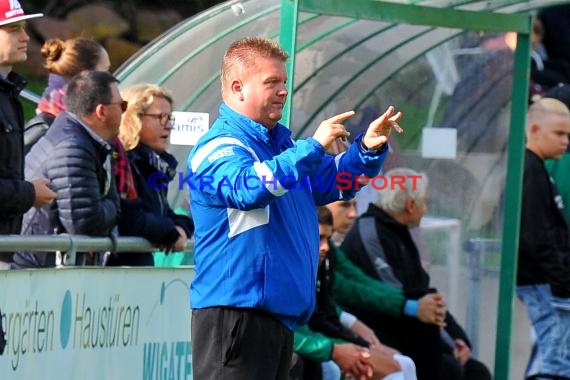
[(253, 195)]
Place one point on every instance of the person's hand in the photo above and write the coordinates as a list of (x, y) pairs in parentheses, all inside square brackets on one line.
[(383, 362), (383, 350), (432, 309), (380, 129), (365, 333), (332, 129), (353, 360), (180, 243), (461, 351), (44, 195)]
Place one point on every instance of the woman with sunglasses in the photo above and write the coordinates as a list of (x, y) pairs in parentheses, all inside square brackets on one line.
[(145, 131)]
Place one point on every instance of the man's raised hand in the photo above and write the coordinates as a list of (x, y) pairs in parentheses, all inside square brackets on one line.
[(332, 129), (380, 129)]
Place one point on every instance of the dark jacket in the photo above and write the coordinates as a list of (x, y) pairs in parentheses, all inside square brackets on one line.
[(149, 216), (79, 167), (420, 341), (544, 246), (325, 319), (315, 341), (352, 287), (16, 195)]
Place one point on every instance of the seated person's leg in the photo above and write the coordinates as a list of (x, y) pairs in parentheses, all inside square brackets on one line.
[(297, 367), (451, 369), (407, 365), (331, 371), (475, 370)]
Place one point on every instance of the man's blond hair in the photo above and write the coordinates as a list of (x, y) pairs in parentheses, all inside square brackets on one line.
[(543, 110), (240, 58)]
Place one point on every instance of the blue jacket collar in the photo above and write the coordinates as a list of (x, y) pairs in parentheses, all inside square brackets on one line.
[(245, 125)]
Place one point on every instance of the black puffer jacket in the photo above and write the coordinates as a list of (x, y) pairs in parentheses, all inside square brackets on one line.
[(16, 195), (79, 167)]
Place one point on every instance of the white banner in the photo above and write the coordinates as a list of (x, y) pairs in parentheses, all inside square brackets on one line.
[(93, 324), (188, 127)]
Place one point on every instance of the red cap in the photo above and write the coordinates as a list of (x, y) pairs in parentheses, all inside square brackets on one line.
[(11, 11)]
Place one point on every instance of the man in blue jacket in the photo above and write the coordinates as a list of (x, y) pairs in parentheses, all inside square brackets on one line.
[(253, 194)]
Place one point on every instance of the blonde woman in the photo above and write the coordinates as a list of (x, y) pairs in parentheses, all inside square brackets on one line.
[(144, 131)]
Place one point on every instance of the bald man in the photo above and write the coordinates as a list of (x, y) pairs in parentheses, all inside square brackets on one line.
[(543, 278)]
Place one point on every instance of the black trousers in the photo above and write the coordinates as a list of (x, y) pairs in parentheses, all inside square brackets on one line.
[(236, 344)]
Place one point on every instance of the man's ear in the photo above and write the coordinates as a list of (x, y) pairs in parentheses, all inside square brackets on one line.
[(411, 204), (534, 128), (100, 111), (237, 89)]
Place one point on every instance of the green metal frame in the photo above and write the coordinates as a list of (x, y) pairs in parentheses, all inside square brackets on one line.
[(459, 19)]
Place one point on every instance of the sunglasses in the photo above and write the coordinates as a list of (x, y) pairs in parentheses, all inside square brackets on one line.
[(163, 118), (123, 104)]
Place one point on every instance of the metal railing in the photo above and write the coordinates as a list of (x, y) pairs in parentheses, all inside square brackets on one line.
[(477, 250), (31, 96), (70, 245)]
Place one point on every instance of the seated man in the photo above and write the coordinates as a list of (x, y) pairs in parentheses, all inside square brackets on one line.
[(328, 346), (380, 244), (352, 287)]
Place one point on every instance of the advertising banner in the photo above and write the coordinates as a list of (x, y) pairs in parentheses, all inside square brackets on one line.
[(96, 323)]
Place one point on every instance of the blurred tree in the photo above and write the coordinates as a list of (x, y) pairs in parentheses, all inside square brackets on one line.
[(59, 8)]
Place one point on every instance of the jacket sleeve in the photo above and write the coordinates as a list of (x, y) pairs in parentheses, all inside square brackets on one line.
[(82, 208), (16, 197), (353, 288), (135, 221), (183, 221), (455, 330), (313, 345), (339, 177), (233, 176)]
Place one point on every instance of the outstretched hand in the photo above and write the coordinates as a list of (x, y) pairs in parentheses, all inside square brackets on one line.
[(380, 129), (332, 129)]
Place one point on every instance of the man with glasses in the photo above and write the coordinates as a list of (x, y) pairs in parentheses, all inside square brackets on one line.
[(75, 155), (16, 195)]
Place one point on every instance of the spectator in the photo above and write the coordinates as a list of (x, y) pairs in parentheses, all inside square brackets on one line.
[(353, 288), (545, 72), (543, 277), (76, 156), (559, 168), (330, 343), (16, 195), (63, 60), (256, 227), (556, 26), (381, 245), (344, 214), (145, 129)]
